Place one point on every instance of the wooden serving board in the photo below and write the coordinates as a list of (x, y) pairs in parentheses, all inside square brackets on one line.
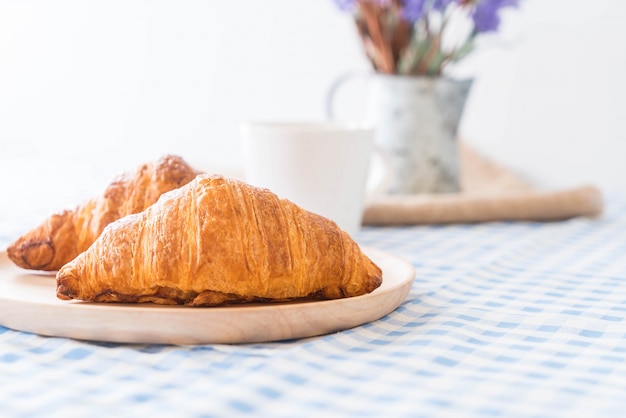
[(28, 302)]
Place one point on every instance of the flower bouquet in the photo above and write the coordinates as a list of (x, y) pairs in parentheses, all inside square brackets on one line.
[(421, 37)]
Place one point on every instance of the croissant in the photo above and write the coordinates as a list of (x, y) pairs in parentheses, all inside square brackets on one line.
[(217, 240), (64, 235)]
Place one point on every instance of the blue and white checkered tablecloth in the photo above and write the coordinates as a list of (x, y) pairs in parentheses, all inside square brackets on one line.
[(504, 319)]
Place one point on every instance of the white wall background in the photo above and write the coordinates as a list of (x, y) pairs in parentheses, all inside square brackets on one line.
[(92, 88)]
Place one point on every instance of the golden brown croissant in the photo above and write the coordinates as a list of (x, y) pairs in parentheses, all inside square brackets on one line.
[(217, 240), (64, 235)]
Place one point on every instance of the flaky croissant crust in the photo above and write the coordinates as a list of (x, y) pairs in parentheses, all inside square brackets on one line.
[(217, 240), (64, 235)]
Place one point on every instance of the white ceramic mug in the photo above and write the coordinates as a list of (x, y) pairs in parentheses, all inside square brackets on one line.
[(322, 167)]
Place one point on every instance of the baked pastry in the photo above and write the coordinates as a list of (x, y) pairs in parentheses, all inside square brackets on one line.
[(218, 240), (64, 235)]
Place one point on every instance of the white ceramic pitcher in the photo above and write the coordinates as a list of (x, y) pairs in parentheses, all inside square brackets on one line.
[(416, 120)]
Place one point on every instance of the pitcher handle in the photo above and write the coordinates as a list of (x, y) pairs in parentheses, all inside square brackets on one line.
[(336, 85)]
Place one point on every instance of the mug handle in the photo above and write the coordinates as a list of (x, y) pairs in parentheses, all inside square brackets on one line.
[(384, 183)]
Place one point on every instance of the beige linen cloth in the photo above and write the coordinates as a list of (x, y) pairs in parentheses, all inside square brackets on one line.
[(489, 192)]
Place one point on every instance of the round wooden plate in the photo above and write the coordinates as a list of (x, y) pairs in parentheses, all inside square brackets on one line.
[(28, 302)]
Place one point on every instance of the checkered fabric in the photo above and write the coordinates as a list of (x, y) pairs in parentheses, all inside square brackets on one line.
[(503, 320)]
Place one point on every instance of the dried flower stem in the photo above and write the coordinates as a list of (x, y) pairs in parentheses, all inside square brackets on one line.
[(401, 39), (383, 59)]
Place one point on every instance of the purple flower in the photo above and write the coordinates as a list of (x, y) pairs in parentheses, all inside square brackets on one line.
[(345, 5), (441, 5), (412, 10), (485, 15)]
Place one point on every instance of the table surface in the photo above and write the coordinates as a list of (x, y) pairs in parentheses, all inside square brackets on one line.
[(503, 319)]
